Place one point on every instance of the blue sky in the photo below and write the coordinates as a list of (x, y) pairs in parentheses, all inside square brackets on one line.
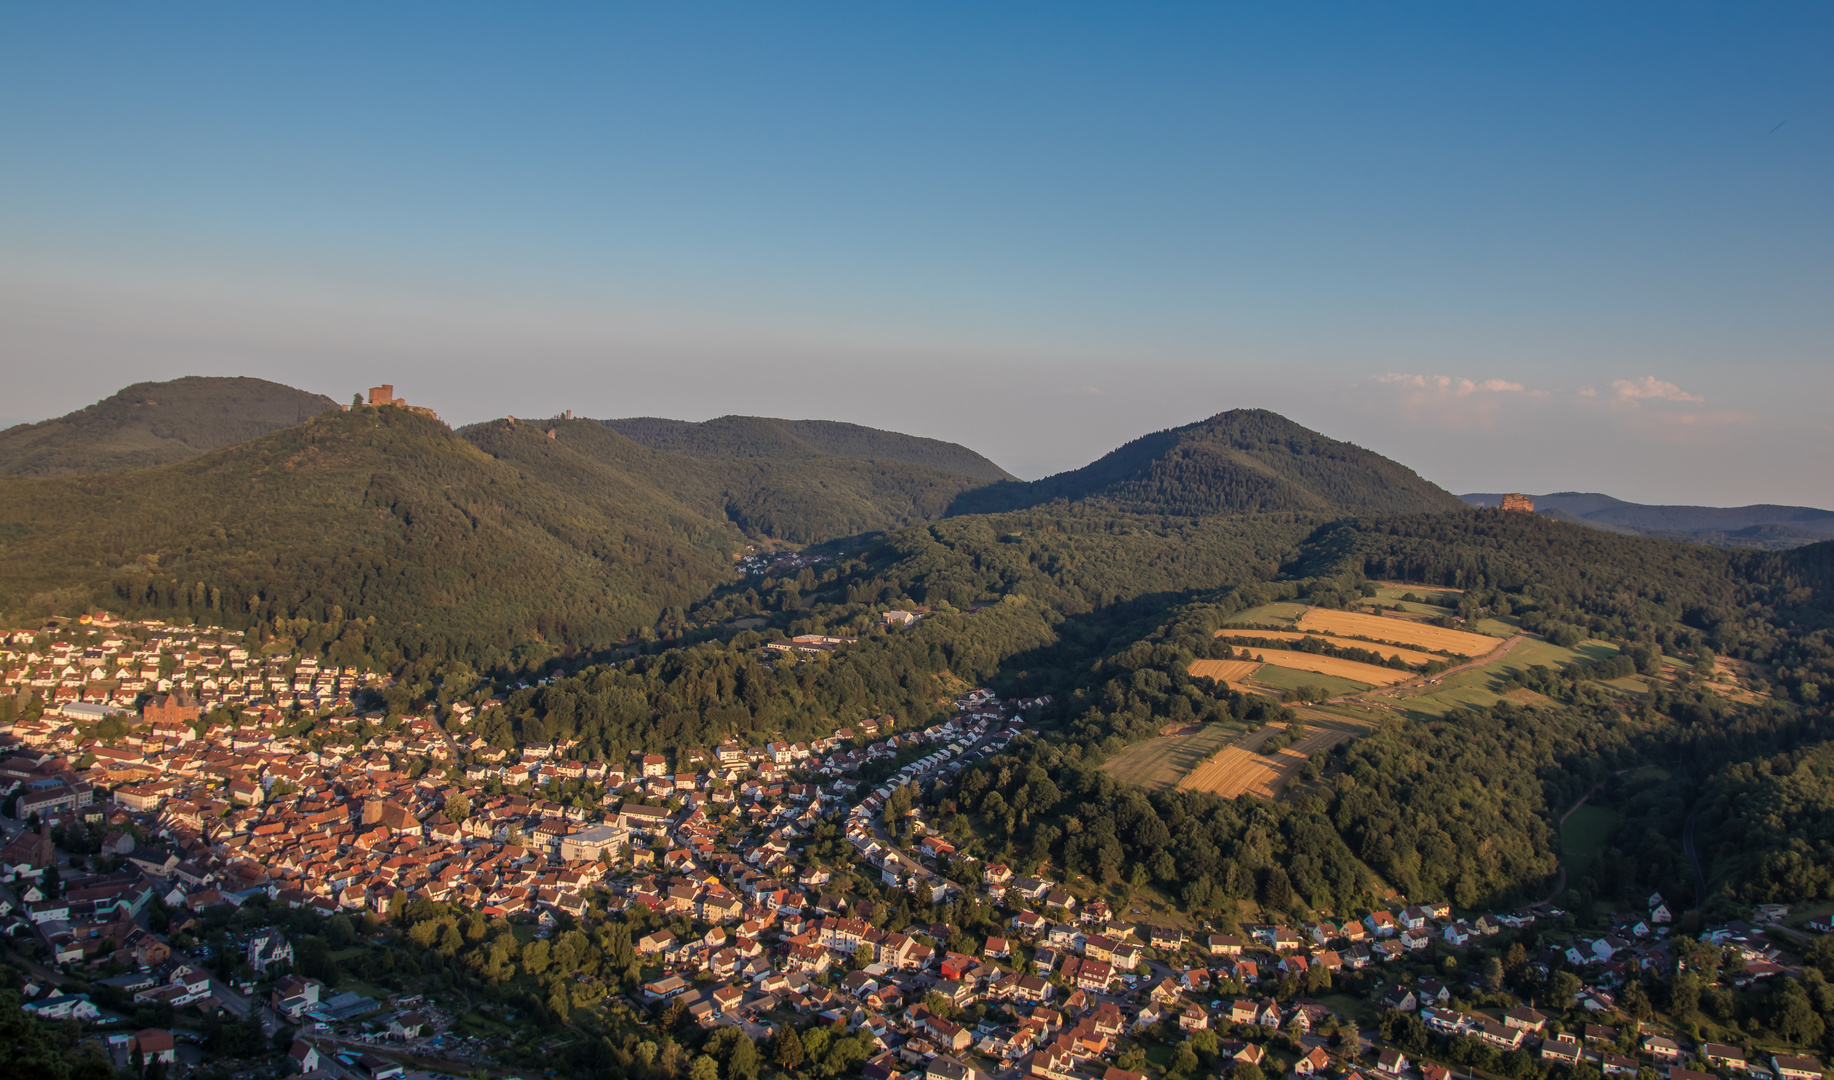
[(1529, 247)]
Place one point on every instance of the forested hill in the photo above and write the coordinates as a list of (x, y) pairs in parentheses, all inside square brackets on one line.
[(764, 437), (1761, 526), (155, 423), (1242, 461), (377, 529), (799, 499)]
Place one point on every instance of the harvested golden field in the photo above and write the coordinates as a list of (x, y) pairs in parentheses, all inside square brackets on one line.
[(1236, 771), (1223, 671), (1408, 656), (1326, 665), (1399, 631), (1158, 764)]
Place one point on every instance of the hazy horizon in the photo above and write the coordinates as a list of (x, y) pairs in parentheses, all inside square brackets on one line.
[(1529, 249)]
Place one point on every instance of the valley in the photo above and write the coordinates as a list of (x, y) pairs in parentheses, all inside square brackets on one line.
[(552, 739)]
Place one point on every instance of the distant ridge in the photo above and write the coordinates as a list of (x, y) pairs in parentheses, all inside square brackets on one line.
[(1241, 461), (156, 423), (1762, 525), (766, 437)]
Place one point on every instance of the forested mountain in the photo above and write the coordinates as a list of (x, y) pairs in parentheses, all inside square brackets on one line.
[(782, 440), (1761, 525), (377, 532), (1242, 461), (155, 423)]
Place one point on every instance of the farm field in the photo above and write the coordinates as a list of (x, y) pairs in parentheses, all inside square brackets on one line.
[(1158, 764), (1224, 671), (1398, 631), (1286, 678), (1238, 771), (1482, 687), (1409, 656), (1368, 674)]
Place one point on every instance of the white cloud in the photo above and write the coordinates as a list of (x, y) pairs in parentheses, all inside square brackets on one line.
[(1442, 386), (1455, 402), (1633, 392)]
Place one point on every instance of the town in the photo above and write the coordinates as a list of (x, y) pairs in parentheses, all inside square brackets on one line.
[(180, 800)]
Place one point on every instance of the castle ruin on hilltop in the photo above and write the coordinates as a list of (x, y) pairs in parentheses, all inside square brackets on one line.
[(385, 395)]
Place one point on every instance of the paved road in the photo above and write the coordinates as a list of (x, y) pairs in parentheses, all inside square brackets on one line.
[(878, 821)]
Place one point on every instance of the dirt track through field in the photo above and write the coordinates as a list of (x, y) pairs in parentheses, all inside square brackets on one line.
[(1399, 631), (1238, 770)]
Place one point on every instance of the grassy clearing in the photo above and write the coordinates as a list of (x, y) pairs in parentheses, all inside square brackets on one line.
[(1583, 837), (1800, 915), (1159, 764), (1392, 594), (1286, 613), (1285, 678)]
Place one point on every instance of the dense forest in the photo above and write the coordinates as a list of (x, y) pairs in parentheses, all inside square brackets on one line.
[(803, 499), (377, 532), (759, 436)]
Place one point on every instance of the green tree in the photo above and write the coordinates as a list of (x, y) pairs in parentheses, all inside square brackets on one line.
[(1793, 1015), (704, 1068), (1564, 988), (743, 1064), (786, 1051)]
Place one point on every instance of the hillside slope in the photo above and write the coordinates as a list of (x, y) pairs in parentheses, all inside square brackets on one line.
[(785, 491), (764, 437), (1761, 525), (155, 423), (1242, 461), (374, 513)]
